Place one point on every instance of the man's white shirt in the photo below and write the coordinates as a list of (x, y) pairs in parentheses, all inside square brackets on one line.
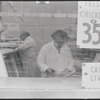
[(49, 57)]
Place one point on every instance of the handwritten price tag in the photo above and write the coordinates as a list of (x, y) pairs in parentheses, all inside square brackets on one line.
[(94, 31)]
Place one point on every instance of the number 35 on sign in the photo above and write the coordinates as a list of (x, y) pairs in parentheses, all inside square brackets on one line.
[(88, 28)]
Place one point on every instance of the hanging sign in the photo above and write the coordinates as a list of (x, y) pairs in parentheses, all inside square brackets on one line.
[(91, 75), (88, 28)]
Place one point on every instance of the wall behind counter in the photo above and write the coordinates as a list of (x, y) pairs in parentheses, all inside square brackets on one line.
[(40, 28)]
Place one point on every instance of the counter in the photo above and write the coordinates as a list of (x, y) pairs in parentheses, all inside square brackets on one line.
[(12, 61), (45, 88), (6, 51), (8, 44), (4, 47)]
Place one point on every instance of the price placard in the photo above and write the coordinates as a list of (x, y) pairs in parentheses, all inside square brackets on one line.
[(91, 75), (88, 29)]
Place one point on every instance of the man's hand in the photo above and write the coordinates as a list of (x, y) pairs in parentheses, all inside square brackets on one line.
[(67, 72), (50, 72)]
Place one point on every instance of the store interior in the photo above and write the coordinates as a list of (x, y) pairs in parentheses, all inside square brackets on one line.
[(40, 19)]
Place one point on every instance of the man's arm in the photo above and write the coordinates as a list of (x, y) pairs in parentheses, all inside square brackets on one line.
[(26, 44)]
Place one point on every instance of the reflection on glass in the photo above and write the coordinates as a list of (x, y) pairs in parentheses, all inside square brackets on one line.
[(41, 21)]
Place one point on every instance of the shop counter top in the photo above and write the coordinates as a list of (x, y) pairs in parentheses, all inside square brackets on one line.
[(6, 51), (40, 83), (24, 87)]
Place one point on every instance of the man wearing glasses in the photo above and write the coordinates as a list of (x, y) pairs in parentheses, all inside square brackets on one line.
[(55, 58)]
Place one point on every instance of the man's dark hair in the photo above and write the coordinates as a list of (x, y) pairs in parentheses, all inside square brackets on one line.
[(25, 33), (61, 33)]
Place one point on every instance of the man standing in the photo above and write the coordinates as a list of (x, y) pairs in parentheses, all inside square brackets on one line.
[(55, 58), (28, 54)]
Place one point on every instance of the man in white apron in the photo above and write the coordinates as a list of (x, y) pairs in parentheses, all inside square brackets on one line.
[(55, 58)]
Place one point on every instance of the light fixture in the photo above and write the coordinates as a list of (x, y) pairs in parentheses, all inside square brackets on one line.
[(47, 2), (37, 1), (42, 2)]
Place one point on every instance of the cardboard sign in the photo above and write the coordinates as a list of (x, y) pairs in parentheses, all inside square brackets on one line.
[(88, 29), (91, 75)]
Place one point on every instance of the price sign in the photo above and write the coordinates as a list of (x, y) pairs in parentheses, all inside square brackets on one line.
[(91, 75), (88, 29)]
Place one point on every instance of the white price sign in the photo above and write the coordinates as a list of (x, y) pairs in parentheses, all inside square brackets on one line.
[(91, 75), (88, 29)]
